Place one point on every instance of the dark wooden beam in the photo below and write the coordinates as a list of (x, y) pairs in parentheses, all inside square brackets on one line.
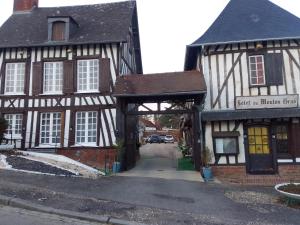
[(137, 113)]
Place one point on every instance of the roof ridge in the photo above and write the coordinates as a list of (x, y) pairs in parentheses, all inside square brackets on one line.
[(85, 5)]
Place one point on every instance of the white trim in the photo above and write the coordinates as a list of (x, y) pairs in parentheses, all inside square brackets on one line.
[(285, 160), (256, 69), (86, 129), (87, 74)]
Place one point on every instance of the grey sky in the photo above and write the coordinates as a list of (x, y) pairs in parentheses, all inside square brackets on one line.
[(166, 26)]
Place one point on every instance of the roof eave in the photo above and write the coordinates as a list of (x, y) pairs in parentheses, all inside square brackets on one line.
[(62, 44), (243, 41), (163, 94)]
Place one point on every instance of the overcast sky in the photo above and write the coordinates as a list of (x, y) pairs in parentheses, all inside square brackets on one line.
[(166, 26)]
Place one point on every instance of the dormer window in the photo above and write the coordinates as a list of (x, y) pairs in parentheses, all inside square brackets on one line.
[(58, 31), (60, 28)]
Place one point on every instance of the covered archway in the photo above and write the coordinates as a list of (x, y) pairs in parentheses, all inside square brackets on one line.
[(183, 91)]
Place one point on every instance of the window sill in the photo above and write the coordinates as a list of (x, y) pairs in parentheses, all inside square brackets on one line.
[(54, 93), (227, 154), (48, 146), (85, 145), (258, 85), (86, 92), (13, 94), (13, 137)]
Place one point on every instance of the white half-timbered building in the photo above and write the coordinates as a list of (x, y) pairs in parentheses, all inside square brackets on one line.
[(250, 57), (58, 69)]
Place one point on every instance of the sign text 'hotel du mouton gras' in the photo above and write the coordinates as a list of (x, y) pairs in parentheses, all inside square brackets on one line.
[(267, 102)]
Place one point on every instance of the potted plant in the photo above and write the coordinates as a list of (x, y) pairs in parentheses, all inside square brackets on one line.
[(119, 152), (206, 159)]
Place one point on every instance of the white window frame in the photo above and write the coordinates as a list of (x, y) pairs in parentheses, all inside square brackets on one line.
[(219, 145), (88, 81), (14, 78), (51, 130), (85, 128), (53, 78), (15, 122), (256, 70)]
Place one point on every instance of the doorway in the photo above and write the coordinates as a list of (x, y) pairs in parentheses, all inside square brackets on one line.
[(259, 150)]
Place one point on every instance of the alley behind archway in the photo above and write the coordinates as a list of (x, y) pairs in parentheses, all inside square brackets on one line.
[(160, 161)]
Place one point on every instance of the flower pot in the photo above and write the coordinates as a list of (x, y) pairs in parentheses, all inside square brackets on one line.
[(207, 173), (287, 194), (116, 167)]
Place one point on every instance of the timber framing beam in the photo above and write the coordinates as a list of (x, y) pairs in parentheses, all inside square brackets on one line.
[(140, 113)]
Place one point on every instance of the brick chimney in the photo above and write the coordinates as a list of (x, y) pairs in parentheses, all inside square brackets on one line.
[(25, 5)]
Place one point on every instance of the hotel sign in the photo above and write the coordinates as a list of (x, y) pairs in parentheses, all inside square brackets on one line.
[(267, 102)]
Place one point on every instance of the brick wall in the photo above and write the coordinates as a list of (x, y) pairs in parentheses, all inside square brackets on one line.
[(238, 175), (25, 5), (92, 157)]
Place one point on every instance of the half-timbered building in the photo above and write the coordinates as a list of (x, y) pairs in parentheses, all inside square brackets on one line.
[(250, 57), (58, 69)]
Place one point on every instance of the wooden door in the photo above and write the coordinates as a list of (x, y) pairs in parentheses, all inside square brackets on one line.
[(260, 154)]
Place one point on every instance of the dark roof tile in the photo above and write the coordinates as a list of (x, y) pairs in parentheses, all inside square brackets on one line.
[(101, 23), (191, 82), (251, 20)]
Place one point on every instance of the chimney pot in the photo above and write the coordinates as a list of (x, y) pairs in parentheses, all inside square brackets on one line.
[(25, 5)]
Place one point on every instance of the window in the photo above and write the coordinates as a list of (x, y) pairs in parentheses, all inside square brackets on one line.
[(88, 75), (282, 139), (50, 129), (14, 78), (86, 128), (257, 70), (58, 31), (226, 145), (14, 125), (53, 77), (258, 138)]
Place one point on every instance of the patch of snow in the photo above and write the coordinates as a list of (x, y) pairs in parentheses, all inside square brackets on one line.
[(3, 162), (61, 159), (6, 147)]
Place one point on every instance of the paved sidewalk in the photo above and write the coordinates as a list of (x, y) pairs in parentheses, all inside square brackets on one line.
[(160, 161), (17, 216)]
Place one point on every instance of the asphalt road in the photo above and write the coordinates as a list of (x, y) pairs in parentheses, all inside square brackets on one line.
[(160, 161), (151, 200), (14, 216)]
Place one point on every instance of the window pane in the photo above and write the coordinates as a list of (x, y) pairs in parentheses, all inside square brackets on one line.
[(226, 145), (53, 77), (50, 130), (257, 73), (14, 78), (88, 75), (86, 127), (14, 124)]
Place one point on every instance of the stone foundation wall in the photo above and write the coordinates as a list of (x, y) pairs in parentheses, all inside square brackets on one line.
[(91, 157), (238, 175)]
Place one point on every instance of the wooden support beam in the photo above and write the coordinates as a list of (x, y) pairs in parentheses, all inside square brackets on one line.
[(137, 113)]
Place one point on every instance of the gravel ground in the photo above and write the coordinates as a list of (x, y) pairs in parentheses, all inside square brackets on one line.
[(29, 165)]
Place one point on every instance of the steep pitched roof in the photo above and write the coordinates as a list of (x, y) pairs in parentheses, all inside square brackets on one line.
[(251, 20), (100, 23)]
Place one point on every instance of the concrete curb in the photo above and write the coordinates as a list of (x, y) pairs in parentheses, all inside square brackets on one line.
[(19, 203)]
